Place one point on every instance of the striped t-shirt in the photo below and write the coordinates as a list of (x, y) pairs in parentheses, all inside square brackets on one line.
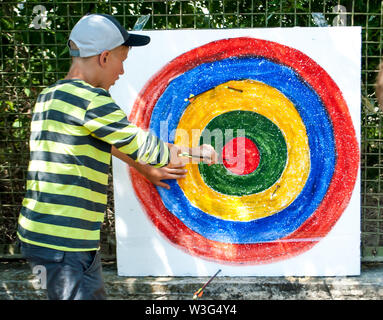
[(73, 128)]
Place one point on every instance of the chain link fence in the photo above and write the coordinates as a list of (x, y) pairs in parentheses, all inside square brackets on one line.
[(33, 55)]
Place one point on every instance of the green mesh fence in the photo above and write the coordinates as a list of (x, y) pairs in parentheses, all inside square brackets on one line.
[(33, 55)]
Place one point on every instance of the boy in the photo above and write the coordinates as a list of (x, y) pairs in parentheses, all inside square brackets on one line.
[(76, 126)]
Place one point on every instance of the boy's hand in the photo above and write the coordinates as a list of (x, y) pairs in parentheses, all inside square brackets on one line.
[(205, 153)]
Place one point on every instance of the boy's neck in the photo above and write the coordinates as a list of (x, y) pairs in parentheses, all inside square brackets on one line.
[(81, 76), (81, 72)]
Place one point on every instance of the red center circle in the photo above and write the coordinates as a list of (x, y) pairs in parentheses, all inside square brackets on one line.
[(240, 156)]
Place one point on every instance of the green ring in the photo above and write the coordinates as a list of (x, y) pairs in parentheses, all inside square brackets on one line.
[(269, 141)]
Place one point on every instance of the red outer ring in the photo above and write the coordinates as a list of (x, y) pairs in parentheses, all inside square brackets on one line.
[(340, 189)]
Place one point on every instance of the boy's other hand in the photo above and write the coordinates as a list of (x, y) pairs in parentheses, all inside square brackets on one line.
[(156, 175)]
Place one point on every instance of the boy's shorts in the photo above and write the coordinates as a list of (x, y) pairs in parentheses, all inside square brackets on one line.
[(66, 275)]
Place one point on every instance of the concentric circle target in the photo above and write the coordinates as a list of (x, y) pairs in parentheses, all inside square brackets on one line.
[(283, 127)]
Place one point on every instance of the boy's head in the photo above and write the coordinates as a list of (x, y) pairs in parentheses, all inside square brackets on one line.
[(96, 33), (99, 45)]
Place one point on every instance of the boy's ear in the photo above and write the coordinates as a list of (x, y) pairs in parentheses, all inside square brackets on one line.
[(103, 58)]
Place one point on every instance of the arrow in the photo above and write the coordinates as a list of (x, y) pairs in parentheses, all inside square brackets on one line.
[(199, 292)]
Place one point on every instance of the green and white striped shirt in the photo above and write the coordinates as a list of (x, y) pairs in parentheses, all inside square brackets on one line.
[(73, 128)]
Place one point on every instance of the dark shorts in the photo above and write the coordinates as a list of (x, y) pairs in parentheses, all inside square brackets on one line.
[(66, 275)]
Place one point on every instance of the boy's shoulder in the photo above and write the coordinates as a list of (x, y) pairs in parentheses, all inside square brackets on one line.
[(80, 86), (78, 93)]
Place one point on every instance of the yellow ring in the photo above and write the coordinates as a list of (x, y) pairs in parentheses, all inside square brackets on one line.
[(258, 97)]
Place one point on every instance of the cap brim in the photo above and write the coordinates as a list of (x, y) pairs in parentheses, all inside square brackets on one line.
[(136, 40)]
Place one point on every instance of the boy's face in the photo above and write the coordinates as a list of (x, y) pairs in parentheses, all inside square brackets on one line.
[(113, 65)]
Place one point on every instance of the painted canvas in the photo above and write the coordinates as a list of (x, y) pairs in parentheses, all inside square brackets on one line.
[(282, 109)]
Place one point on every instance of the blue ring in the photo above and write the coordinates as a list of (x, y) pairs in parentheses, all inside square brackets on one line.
[(170, 107)]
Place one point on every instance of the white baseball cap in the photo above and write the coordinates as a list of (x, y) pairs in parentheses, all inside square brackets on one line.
[(96, 33)]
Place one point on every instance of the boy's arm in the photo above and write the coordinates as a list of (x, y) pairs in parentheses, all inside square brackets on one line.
[(174, 170), (106, 121), (154, 175)]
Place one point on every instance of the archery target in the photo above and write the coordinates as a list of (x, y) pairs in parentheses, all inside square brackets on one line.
[(283, 108), (286, 114)]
